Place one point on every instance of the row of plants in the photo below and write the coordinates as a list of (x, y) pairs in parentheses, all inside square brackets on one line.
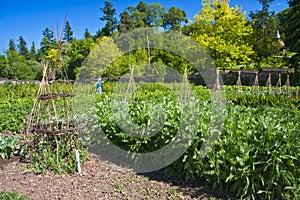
[(13, 112), (255, 157), (16, 101)]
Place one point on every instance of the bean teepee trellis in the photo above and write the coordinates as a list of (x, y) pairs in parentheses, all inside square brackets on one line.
[(52, 128)]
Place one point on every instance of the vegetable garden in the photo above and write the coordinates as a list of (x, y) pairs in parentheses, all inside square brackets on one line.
[(255, 157)]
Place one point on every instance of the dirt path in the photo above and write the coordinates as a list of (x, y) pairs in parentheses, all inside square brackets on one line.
[(100, 180)]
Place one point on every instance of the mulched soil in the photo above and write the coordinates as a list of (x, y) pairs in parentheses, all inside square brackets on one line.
[(99, 180)]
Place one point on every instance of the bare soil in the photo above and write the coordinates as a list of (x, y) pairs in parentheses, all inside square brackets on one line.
[(99, 180)]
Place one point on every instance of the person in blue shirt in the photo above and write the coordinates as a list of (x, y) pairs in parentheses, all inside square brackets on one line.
[(99, 86)]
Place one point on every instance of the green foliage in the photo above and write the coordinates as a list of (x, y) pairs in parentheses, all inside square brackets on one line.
[(32, 52), (224, 32), (126, 22), (141, 113), (8, 146), (290, 23), (47, 42), (16, 66), (13, 112), (250, 100), (109, 16), (157, 14), (98, 62), (68, 33), (12, 195), (22, 47), (256, 156), (4, 66), (141, 15), (11, 45), (16, 102), (73, 54), (265, 24), (232, 40), (55, 153), (174, 18), (49, 152), (265, 4)]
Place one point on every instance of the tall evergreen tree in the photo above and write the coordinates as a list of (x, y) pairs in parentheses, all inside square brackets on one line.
[(49, 34), (265, 4), (48, 41), (264, 25), (109, 16), (87, 34), (294, 3), (33, 51), (144, 13), (290, 23), (68, 33), (11, 45), (126, 22), (22, 48)]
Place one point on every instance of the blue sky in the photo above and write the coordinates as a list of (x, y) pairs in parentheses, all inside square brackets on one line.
[(29, 18)]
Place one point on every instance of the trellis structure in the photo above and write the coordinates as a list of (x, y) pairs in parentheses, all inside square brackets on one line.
[(51, 131), (52, 110), (281, 87)]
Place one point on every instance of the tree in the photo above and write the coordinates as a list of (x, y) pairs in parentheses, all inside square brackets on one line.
[(4, 67), (264, 25), (99, 61), (294, 3), (48, 41), (109, 16), (158, 12), (22, 48), (290, 23), (141, 15), (265, 4), (144, 13), (19, 68), (224, 32), (126, 22), (173, 19), (11, 45), (49, 34), (73, 54), (87, 34), (32, 51), (68, 33)]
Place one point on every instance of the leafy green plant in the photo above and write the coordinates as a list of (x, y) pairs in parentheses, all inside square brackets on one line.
[(12, 195), (256, 156), (55, 153), (8, 146)]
